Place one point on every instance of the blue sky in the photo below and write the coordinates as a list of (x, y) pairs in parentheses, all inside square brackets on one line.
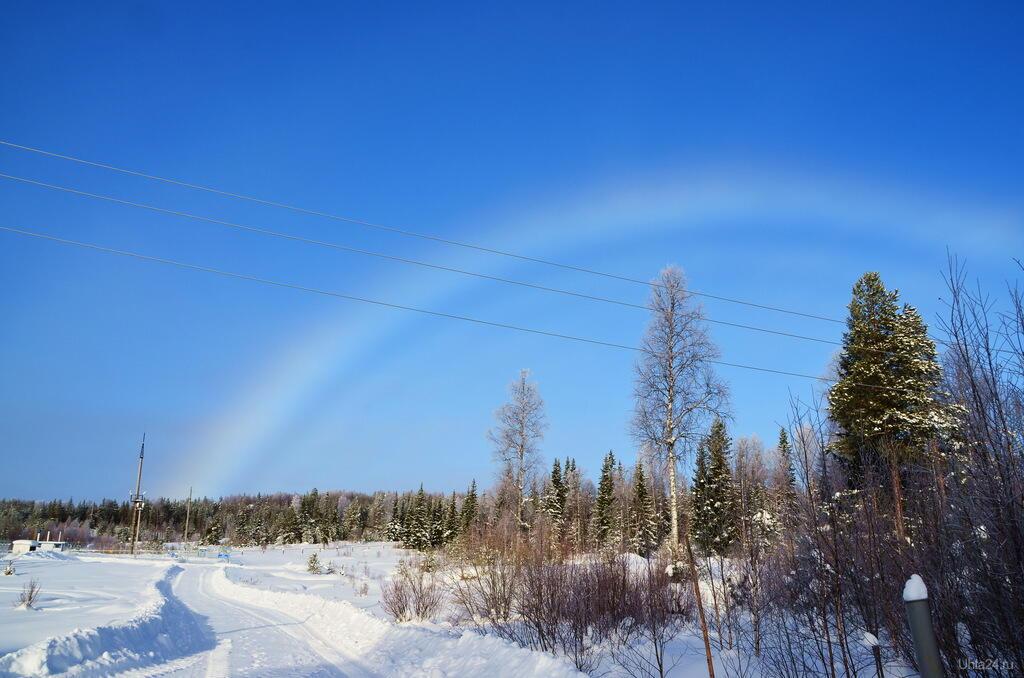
[(774, 153)]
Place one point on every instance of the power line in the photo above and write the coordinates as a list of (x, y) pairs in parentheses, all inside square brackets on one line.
[(405, 232), (355, 250), (377, 302), (416, 262)]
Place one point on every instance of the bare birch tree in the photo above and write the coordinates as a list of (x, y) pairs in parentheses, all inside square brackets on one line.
[(520, 428), (677, 393)]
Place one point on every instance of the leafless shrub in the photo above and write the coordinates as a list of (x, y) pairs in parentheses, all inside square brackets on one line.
[(395, 598), (9, 568), (484, 589), (29, 594), (412, 593), (582, 609), (658, 611)]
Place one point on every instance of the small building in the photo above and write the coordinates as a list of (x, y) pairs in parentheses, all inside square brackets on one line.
[(52, 545), (24, 546)]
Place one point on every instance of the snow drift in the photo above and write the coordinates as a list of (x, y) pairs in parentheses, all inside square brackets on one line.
[(164, 629)]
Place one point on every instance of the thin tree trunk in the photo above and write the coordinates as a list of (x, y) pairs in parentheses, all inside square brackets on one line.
[(700, 606), (673, 504), (897, 500), (714, 599)]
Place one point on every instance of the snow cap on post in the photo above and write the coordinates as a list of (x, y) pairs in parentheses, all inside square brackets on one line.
[(915, 589)]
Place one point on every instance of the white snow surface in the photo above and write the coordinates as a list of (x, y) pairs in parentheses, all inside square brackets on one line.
[(77, 592), (379, 647), (258, 614), (915, 589), (163, 629)]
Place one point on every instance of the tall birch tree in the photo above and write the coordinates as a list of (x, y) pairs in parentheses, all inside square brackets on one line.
[(677, 392)]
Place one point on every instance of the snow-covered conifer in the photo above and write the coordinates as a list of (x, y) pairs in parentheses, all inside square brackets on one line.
[(467, 516), (604, 506), (715, 520), (554, 500), (645, 521)]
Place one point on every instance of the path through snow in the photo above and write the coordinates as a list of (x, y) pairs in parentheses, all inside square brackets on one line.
[(200, 623)]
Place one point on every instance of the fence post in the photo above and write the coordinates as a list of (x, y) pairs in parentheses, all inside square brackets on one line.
[(915, 596)]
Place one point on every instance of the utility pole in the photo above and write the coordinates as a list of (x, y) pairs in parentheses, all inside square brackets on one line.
[(137, 501), (188, 511)]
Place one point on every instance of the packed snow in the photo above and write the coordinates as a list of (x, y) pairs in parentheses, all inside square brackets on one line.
[(77, 592)]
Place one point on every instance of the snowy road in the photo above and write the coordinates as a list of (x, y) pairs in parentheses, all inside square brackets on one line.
[(250, 640)]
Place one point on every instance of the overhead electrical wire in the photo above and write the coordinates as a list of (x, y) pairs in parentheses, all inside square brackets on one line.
[(425, 236), (404, 260), (405, 232), (403, 307)]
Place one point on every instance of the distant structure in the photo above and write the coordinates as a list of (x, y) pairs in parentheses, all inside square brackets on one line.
[(48, 544), (19, 546)]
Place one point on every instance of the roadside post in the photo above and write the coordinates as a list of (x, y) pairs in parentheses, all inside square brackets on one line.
[(919, 616)]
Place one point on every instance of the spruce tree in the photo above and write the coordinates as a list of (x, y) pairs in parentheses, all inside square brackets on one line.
[(604, 506), (554, 500), (885, 399), (787, 491), (467, 516), (214, 532), (243, 525), (700, 500), (393, 530), (451, 522), (309, 517), (575, 529), (287, 529), (622, 521), (350, 525), (437, 523), (405, 518), (330, 520), (715, 512), (418, 532), (645, 528)]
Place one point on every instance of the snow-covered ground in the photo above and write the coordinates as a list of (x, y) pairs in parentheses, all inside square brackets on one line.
[(255, 614), (359, 569), (76, 593)]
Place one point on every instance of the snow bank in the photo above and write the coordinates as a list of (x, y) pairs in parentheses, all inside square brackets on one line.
[(915, 589), (164, 629), (400, 650), (43, 555)]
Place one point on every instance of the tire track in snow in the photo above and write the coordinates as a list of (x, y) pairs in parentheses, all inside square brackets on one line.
[(252, 640)]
